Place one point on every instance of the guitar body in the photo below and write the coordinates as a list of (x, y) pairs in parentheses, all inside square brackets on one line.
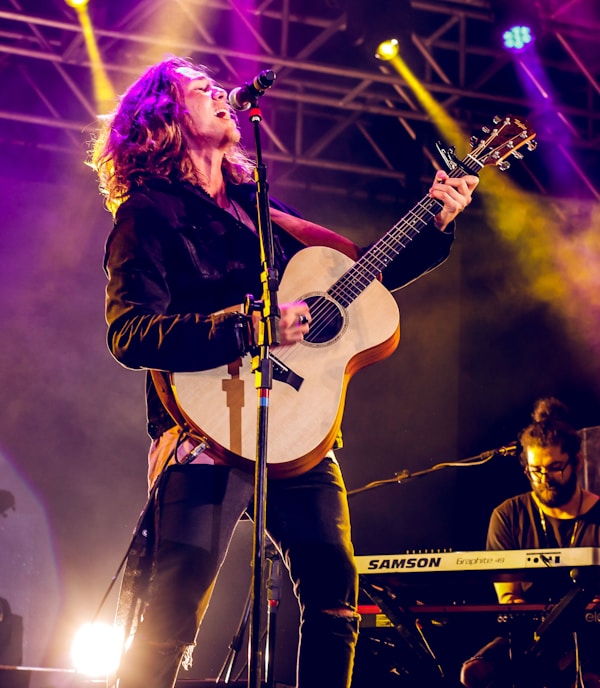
[(304, 415)]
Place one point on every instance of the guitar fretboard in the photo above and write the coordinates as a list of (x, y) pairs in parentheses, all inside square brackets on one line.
[(351, 284)]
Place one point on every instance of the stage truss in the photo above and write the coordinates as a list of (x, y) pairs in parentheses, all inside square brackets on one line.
[(336, 120)]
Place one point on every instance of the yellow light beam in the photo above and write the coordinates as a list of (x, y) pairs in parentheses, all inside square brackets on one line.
[(390, 52), (559, 264), (104, 93)]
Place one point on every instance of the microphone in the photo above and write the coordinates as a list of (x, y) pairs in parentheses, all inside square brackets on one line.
[(509, 449), (242, 97)]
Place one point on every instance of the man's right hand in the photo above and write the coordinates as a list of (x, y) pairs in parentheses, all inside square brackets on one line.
[(294, 322)]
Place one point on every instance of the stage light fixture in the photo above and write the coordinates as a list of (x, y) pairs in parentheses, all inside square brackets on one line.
[(383, 28), (517, 23), (77, 4), (517, 37), (388, 50)]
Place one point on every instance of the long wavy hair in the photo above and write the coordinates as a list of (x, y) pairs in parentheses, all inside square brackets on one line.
[(143, 137)]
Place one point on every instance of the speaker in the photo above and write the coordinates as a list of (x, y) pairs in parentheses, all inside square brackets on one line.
[(590, 449), (28, 571), (11, 648)]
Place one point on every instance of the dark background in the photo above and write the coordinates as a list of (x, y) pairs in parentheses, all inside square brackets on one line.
[(478, 345)]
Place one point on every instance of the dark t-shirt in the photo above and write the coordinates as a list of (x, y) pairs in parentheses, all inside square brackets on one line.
[(517, 523)]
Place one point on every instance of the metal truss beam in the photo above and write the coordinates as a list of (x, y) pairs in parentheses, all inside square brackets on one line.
[(336, 117)]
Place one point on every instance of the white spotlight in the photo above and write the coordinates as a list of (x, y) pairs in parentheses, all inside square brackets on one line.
[(96, 649)]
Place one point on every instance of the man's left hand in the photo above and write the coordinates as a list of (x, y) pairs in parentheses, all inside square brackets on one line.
[(455, 193)]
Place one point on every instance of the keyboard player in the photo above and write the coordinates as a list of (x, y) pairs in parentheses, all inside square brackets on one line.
[(556, 512)]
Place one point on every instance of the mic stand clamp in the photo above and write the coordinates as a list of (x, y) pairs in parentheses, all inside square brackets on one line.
[(273, 598)]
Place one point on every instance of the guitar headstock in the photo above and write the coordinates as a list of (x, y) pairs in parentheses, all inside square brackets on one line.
[(505, 138)]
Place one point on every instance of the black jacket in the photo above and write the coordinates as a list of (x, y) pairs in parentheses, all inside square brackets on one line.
[(174, 257)]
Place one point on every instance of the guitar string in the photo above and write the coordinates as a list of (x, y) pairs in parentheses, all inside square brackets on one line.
[(362, 273), (404, 229), (326, 312), (367, 268)]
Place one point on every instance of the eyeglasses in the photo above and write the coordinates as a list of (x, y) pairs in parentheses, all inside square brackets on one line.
[(536, 473)]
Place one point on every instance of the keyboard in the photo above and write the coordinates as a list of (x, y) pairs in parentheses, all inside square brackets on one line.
[(491, 561)]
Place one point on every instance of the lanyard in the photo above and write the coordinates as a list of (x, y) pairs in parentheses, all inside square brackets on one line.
[(575, 526)]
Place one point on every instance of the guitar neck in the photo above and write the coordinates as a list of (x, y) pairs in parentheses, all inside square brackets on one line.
[(351, 284)]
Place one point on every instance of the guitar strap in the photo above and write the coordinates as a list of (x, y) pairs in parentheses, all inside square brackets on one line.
[(312, 234)]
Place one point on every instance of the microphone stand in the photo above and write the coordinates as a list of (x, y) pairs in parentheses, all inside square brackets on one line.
[(263, 367), (236, 642), (273, 587), (478, 460)]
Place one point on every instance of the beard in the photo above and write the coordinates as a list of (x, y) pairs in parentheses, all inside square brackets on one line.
[(555, 494)]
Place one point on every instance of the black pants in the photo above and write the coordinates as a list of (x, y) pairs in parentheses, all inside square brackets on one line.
[(307, 519)]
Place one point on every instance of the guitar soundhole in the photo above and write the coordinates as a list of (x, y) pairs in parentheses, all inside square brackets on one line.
[(328, 320)]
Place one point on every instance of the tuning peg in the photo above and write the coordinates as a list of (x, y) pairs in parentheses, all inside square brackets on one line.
[(532, 145), (518, 155), (503, 165), (496, 119)]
